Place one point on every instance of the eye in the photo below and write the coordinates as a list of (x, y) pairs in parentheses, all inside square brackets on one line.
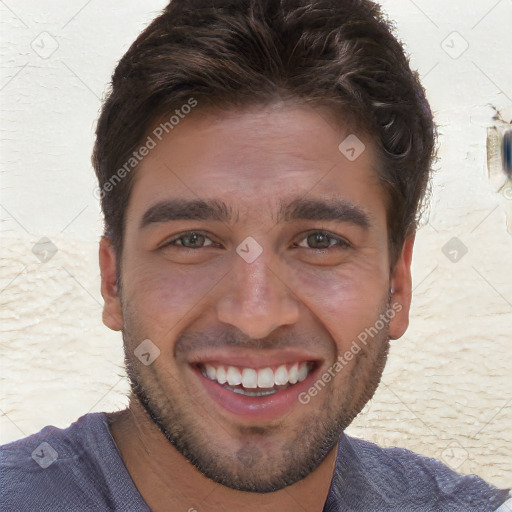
[(322, 240), (190, 240)]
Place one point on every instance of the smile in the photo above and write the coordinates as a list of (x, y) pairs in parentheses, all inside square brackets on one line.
[(256, 382)]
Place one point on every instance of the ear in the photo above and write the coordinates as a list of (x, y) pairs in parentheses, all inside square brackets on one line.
[(112, 310), (401, 286)]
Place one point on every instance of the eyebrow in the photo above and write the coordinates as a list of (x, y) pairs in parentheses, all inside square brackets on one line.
[(298, 209), (183, 209), (338, 210)]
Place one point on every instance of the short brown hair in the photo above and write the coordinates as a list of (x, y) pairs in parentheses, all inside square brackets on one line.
[(340, 54)]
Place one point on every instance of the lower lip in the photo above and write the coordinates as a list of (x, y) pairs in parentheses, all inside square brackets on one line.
[(256, 408)]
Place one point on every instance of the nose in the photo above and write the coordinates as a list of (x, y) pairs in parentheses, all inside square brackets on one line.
[(257, 299)]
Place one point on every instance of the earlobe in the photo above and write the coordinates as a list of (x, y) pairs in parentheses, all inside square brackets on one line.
[(401, 287), (112, 310)]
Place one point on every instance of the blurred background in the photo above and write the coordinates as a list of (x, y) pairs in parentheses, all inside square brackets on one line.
[(447, 389)]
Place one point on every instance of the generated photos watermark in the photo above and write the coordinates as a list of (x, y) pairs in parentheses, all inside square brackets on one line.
[(143, 151), (344, 359)]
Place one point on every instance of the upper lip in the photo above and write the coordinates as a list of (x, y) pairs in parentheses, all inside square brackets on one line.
[(251, 358)]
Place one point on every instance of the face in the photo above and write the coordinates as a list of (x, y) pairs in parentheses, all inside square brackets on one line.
[(255, 257)]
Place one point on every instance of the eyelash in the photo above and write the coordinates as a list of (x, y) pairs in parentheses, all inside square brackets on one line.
[(342, 243)]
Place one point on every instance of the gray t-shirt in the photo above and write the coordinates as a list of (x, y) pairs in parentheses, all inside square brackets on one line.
[(79, 469)]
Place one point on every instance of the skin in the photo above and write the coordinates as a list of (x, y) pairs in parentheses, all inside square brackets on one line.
[(294, 296)]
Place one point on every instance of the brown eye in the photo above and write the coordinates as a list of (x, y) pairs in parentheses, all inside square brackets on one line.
[(191, 240), (320, 240)]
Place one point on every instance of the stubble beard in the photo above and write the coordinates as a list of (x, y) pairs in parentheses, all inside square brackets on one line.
[(250, 467)]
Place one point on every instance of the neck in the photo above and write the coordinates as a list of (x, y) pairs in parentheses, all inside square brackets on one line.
[(168, 481)]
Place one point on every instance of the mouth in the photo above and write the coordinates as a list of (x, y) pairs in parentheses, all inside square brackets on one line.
[(257, 392), (256, 382)]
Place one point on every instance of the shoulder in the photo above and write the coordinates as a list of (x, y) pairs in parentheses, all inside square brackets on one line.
[(69, 440), (393, 478), (63, 469)]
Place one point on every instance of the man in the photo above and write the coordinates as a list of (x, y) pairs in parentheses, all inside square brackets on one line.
[(261, 166)]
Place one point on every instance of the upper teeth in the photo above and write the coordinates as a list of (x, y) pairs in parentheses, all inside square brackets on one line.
[(252, 378)]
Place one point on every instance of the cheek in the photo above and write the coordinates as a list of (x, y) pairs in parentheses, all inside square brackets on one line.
[(346, 302), (162, 297)]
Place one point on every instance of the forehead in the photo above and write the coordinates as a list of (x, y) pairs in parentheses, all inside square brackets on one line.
[(254, 159)]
